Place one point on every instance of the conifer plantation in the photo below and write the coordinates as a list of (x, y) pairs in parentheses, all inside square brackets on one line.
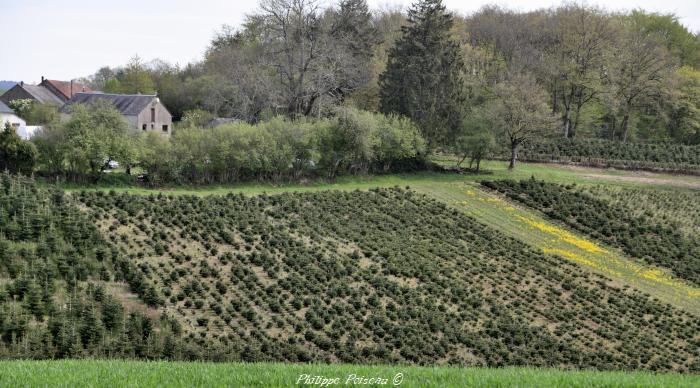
[(308, 277), (341, 193)]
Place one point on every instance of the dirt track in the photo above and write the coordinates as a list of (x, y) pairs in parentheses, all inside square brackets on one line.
[(650, 179)]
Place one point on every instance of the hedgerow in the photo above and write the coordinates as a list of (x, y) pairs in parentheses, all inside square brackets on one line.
[(639, 235), (353, 142), (610, 153)]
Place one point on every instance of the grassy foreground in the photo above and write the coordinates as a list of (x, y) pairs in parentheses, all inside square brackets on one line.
[(73, 373)]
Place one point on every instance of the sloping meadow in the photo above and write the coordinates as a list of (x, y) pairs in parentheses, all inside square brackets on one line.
[(379, 276)]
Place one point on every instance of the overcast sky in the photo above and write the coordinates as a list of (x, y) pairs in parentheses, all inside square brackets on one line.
[(64, 39)]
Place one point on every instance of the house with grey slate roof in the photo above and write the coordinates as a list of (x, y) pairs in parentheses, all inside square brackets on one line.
[(38, 93), (51, 92), (144, 112)]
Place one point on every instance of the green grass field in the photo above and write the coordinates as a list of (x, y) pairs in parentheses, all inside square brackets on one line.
[(170, 374), (491, 170)]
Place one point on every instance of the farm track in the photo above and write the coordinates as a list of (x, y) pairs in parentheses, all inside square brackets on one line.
[(690, 183)]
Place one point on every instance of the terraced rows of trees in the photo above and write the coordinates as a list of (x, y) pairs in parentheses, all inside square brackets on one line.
[(300, 277), (674, 208), (55, 271), (402, 278), (642, 236), (606, 153)]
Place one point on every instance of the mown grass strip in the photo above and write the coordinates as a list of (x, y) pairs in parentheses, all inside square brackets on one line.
[(109, 373), (492, 170)]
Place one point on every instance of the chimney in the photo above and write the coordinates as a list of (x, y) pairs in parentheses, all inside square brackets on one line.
[(71, 88), (42, 79), (21, 83)]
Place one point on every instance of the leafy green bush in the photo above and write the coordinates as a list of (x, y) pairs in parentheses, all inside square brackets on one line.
[(354, 142)]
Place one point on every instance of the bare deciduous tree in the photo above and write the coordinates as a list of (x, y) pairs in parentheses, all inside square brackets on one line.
[(640, 71), (519, 112)]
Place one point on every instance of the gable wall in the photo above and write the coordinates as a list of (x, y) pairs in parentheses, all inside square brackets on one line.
[(163, 117), (16, 93)]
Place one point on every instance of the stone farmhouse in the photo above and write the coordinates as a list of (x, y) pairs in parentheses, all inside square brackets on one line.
[(144, 112)]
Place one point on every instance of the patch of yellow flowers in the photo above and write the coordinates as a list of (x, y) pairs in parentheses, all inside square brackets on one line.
[(653, 274), (601, 259), (563, 235)]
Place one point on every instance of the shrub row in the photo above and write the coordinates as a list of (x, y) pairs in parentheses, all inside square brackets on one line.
[(352, 142), (610, 153)]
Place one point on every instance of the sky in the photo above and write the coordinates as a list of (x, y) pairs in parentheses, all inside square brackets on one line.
[(68, 39)]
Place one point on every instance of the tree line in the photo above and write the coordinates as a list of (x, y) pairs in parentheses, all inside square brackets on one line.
[(467, 82), (352, 141), (567, 71)]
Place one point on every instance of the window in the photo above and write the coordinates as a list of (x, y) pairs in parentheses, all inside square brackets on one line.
[(144, 127), (165, 128), (153, 115)]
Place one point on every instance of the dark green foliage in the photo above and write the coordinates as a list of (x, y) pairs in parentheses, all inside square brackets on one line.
[(16, 155), (609, 153), (401, 278), (46, 242), (423, 77), (638, 235), (309, 277)]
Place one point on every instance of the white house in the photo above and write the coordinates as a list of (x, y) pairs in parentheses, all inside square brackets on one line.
[(28, 131), (7, 115)]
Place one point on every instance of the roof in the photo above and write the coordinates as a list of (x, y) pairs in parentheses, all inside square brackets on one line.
[(5, 109), (41, 94), (65, 87), (127, 104)]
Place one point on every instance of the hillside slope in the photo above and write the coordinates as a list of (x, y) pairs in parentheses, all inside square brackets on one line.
[(401, 278), (385, 275)]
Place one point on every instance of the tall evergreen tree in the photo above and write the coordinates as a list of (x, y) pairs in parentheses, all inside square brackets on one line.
[(354, 39), (423, 78)]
